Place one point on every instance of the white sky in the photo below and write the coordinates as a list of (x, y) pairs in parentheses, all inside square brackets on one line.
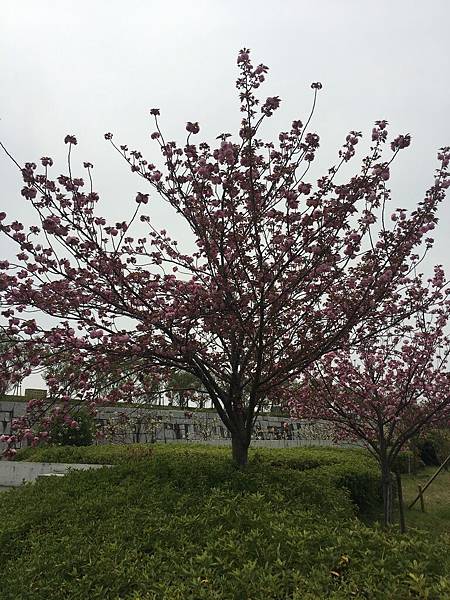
[(87, 67)]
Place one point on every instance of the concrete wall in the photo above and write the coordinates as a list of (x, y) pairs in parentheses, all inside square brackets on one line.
[(13, 474)]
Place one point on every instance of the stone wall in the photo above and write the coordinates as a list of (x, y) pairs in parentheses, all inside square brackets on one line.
[(152, 424)]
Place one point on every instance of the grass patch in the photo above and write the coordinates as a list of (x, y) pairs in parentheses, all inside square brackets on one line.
[(436, 518)]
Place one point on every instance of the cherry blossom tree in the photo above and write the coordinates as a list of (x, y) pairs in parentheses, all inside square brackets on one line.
[(385, 391), (285, 271)]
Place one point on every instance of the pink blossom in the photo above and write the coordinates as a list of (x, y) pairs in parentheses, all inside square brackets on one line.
[(70, 139), (192, 127)]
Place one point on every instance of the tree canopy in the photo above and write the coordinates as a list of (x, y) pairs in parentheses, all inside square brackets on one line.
[(286, 269)]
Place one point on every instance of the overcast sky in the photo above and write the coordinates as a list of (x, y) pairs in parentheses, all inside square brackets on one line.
[(87, 67)]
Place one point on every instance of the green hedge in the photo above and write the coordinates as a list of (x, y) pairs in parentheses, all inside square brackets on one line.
[(103, 455), (293, 458), (187, 524), (353, 470)]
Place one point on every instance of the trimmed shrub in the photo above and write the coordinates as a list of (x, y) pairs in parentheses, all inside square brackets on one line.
[(352, 470), (188, 525), (104, 454)]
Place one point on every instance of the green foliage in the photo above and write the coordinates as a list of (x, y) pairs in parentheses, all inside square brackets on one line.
[(433, 447), (183, 387), (353, 470), (407, 462), (292, 458), (61, 434), (101, 455), (186, 524)]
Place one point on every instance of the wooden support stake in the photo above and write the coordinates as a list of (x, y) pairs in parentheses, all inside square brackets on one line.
[(444, 464), (422, 505)]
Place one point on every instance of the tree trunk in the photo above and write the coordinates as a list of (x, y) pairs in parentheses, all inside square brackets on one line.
[(400, 502), (239, 444), (386, 482)]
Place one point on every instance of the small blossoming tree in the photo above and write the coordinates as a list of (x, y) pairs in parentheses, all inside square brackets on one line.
[(183, 388), (12, 370), (385, 391), (285, 270)]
